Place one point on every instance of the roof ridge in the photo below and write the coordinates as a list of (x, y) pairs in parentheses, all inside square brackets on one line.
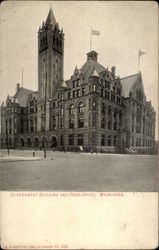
[(129, 76)]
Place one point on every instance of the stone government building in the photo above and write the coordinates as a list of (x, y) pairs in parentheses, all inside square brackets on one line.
[(94, 109)]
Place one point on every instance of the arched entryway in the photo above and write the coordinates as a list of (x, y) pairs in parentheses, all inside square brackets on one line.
[(36, 142), (28, 142), (22, 142), (53, 141)]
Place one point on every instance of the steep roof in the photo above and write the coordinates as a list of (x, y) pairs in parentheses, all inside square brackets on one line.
[(127, 84), (50, 19), (22, 96), (88, 68)]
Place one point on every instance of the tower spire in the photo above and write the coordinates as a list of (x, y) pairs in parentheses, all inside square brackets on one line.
[(50, 19)]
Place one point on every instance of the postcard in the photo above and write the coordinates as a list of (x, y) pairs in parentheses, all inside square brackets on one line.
[(79, 124)]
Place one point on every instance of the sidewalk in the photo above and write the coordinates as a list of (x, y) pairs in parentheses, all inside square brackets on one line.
[(19, 158)]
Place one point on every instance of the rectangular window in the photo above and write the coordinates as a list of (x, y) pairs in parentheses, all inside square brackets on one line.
[(107, 95), (102, 122), (71, 123), (81, 122), (80, 139), (62, 96), (69, 95), (78, 92), (83, 91), (61, 139), (71, 139), (62, 125), (74, 93), (102, 140)]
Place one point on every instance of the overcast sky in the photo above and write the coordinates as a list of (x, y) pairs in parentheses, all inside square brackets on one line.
[(125, 27)]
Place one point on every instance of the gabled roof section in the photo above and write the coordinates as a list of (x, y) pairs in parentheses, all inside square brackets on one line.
[(50, 19), (22, 96), (88, 68), (127, 84)]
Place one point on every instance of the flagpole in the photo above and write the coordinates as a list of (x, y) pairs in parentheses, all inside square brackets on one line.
[(90, 39), (138, 62)]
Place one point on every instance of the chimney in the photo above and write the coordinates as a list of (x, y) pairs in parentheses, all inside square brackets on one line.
[(18, 87), (113, 70)]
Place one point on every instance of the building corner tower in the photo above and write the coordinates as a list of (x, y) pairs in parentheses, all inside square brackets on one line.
[(50, 64)]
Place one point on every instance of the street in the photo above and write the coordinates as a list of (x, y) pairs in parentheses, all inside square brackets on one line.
[(78, 172)]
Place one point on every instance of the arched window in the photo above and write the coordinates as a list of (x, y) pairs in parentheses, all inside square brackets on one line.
[(81, 107), (94, 87), (71, 110)]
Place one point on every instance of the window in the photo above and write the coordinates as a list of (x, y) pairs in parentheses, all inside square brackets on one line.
[(94, 103), (81, 107), (94, 87), (109, 124), (78, 92), (102, 122), (81, 122), (62, 96), (71, 139), (114, 141), (109, 110), (62, 124), (53, 122), (107, 95), (102, 140), (78, 83), (94, 120), (109, 140), (102, 108), (83, 91), (71, 123), (74, 84), (69, 95), (54, 105), (115, 125), (118, 99), (74, 93), (80, 139), (61, 110), (61, 139), (71, 109), (112, 97)]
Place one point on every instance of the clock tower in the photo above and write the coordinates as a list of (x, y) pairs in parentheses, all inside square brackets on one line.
[(50, 58)]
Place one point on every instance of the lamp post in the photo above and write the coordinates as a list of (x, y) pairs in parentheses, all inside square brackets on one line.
[(8, 137)]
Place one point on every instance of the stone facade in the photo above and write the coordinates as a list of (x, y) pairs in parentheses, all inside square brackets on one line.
[(93, 110)]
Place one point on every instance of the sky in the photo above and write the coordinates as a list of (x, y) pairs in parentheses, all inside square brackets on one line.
[(125, 27)]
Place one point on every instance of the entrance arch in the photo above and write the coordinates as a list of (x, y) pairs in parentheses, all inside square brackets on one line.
[(36, 142), (28, 142), (22, 142), (53, 141)]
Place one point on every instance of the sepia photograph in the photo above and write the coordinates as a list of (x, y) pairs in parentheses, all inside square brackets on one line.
[(79, 111)]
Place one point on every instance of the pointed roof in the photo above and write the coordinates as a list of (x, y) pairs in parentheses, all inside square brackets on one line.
[(127, 84), (88, 68), (50, 19), (22, 96)]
